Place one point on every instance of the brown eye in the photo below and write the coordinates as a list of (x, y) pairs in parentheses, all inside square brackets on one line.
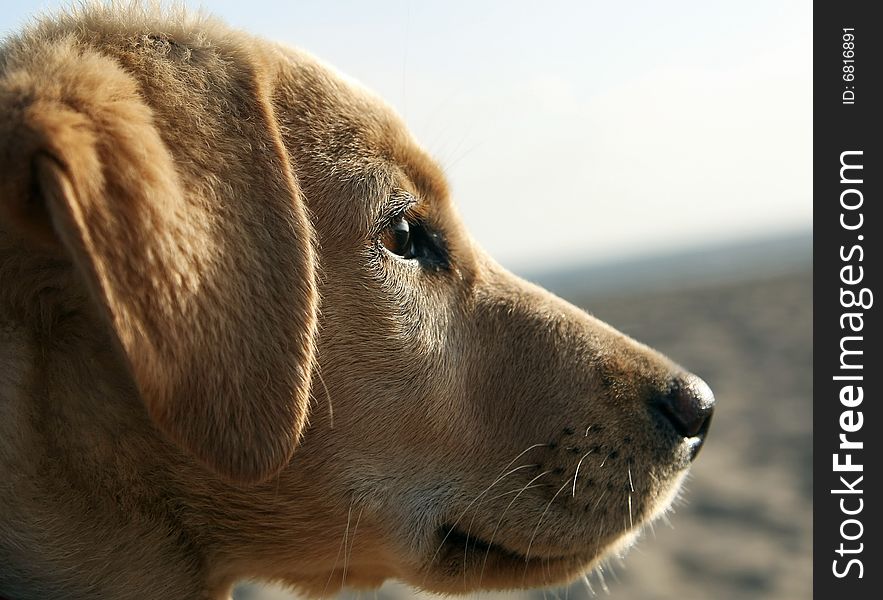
[(410, 238), (397, 238)]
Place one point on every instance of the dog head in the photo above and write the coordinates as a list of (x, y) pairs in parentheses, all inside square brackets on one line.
[(197, 191), (497, 435)]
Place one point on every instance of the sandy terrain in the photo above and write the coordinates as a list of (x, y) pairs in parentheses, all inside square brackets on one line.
[(744, 529)]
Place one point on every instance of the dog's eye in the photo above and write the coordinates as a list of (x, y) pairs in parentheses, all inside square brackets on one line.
[(397, 238), (409, 237)]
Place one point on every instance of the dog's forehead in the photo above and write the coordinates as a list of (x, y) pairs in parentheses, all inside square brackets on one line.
[(345, 138)]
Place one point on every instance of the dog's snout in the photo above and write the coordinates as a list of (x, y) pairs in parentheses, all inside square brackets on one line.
[(688, 405)]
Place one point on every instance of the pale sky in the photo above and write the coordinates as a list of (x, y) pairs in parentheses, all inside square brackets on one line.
[(576, 132)]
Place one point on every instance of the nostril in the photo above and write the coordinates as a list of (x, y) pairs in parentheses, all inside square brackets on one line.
[(688, 405)]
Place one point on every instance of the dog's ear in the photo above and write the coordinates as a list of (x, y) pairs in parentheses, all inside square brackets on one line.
[(196, 251)]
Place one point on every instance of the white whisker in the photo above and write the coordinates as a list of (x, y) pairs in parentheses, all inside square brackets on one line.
[(327, 397), (631, 523), (600, 573), (510, 492), (472, 521), (537, 528), (340, 547), (598, 501), (588, 584), (500, 520), (486, 490), (348, 555), (477, 498), (578, 465)]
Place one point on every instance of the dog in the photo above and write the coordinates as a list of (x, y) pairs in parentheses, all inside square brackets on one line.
[(244, 334)]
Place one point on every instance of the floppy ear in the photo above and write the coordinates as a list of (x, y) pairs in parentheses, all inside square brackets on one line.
[(199, 258)]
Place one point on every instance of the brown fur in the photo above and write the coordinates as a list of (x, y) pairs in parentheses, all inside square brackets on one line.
[(175, 197)]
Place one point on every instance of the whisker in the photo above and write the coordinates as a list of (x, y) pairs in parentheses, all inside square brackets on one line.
[(631, 523), (548, 575), (605, 459), (347, 556), (598, 501), (340, 547), (468, 506), (578, 465), (504, 494), (588, 584), (486, 490), (327, 396), (613, 571), (537, 528), (600, 573), (450, 164), (601, 527), (472, 522), (466, 548), (500, 520)]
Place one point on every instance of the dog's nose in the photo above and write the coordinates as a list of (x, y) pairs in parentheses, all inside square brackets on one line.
[(687, 405)]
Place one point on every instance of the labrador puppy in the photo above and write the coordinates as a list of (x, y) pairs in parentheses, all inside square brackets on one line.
[(244, 334)]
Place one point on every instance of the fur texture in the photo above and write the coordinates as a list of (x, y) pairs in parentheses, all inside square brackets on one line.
[(175, 198)]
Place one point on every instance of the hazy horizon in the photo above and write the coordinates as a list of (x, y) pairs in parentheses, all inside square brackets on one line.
[(594, 132)]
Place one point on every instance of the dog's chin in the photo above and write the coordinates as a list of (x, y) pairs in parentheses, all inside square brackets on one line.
[(455, 560), (466, 564), (463, 562)]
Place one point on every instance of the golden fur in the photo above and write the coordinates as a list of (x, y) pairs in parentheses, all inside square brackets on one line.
[(175, 199)]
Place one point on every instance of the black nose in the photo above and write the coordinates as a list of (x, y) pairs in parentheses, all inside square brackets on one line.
[(687, 405)]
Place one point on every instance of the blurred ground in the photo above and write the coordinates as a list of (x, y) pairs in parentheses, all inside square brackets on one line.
[(744, 529)]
